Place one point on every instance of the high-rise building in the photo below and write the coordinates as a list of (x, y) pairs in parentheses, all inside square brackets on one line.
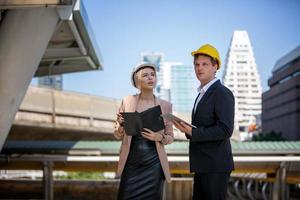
[(155, 58), (281, 102), (179, 85), (53, 81), (242, 78)]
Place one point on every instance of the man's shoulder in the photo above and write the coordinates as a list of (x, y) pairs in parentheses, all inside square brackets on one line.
[(222, 89)]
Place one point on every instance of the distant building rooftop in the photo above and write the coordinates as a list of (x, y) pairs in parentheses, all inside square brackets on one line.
[(284, 62)]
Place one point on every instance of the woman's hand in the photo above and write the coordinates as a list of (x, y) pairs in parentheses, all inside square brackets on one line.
[(119, 129), (120, 119), (120, 132), (150, 135)]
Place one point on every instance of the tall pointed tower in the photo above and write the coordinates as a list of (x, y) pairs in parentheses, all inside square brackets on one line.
[(242, 78)]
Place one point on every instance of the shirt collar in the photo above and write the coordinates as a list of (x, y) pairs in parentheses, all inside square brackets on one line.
[(205, 88)]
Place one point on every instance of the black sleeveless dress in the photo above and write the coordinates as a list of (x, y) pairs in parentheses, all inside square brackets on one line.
[(142, 177)]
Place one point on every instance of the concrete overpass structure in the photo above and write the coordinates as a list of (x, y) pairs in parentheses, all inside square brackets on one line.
[(40, 38), (47, 114)]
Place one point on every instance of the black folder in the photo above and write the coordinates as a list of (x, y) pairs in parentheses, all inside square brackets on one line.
[(151, 118), (132, 123)]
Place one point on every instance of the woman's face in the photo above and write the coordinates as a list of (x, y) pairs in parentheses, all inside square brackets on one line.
[(146, 79)]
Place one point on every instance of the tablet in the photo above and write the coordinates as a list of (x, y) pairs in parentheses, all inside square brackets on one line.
[(171, 117)]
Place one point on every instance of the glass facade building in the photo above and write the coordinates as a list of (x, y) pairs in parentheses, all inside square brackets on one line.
[(179, 85)]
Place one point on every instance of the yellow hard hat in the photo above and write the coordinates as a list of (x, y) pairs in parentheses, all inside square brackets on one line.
[(209, 50)]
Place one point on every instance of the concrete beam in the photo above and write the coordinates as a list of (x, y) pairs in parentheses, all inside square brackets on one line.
[(24, 35), (12, 4)]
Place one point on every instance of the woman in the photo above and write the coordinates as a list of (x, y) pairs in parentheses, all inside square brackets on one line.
[(143, 164)]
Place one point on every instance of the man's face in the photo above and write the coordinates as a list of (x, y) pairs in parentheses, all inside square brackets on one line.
[(204, 69)]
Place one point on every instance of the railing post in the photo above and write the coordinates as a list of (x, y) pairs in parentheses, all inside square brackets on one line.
[(48, 180), (279, 188), (53, 107), (264, 189), (249, 192)]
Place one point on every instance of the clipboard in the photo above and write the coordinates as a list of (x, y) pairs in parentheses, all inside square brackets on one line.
[(171, 117)]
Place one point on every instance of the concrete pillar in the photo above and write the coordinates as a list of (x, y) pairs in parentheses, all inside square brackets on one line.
[(24, 36), (48, 180)]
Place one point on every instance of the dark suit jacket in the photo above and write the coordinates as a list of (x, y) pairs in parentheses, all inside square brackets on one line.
[(210, 149)]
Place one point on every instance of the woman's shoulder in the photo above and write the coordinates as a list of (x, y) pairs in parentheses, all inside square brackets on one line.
[(129, 98)]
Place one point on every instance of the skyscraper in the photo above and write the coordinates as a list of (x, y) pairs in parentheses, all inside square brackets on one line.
[(242, 78), (152, 57), (155, 58), (178, 85)]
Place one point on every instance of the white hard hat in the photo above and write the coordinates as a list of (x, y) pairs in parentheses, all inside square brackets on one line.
[(138, 68)]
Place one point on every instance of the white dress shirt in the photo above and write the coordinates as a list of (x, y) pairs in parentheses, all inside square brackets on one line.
[(201, 92)]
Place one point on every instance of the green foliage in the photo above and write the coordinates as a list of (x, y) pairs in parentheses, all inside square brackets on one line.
[(82, 176), (269, 136)]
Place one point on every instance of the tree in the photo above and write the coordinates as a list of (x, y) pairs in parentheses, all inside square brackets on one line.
[(269, 136)]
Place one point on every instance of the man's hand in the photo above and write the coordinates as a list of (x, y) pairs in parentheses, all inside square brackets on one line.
[(182, 127)]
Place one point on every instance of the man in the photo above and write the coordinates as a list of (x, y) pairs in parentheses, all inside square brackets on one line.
[(213, 114)]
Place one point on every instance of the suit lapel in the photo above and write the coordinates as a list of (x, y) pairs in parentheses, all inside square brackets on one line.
[(194, 109), (205, 97)]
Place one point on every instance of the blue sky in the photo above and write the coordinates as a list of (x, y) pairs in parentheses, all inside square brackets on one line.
[(124, 29)]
